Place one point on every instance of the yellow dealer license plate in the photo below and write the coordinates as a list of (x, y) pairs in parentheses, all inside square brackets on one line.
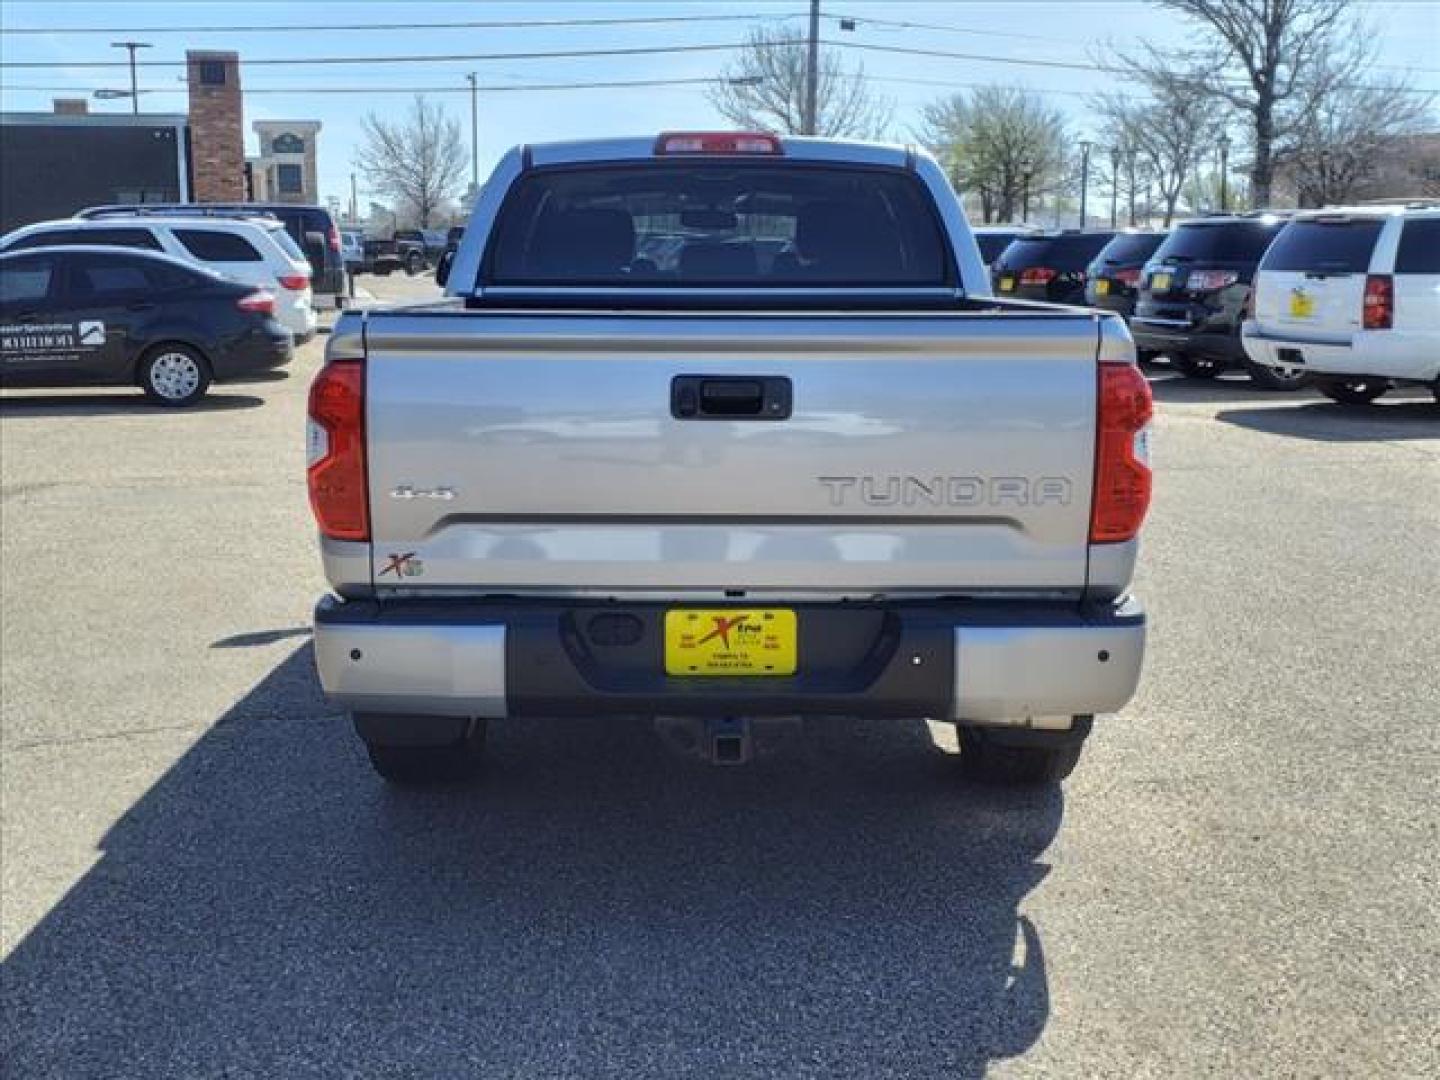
[(1007, 284), (1302, 305), (732, 641), (1102, 287), (1160, 283)]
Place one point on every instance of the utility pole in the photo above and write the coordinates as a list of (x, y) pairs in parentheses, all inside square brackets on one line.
[(1026, 171), (1085, 145), (812, 70), (474, 134), (1114, 182), (1224, 171), (354, 201), (131, 46)]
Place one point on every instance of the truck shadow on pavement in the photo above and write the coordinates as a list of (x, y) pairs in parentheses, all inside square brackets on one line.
[(596, 906), (1325, 421), (1236, 389), (20, 406)]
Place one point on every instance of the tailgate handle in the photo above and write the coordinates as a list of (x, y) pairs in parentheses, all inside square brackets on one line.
[(716, 397)]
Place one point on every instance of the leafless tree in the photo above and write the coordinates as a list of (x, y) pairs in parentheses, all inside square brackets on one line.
[(765, 90), (1172, 128), (1348, 137), (1274, 61), (417, 161), (995, 143)]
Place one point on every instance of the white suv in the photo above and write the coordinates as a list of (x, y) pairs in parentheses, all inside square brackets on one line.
[(1352, 296), (254, 251)]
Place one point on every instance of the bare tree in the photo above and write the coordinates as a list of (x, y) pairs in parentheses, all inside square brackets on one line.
[(1172, 130), (417, 161), (998, 144), (1274, 61), (765, 90), (1349, 136)]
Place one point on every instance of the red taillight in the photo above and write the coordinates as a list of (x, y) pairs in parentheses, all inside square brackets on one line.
[(718, 142), (1379, 310), (1130, 276), (1122, 458), (334, 238), (295, 281), (1037, 275), (335, 451), (1210, 280), (261, 303)]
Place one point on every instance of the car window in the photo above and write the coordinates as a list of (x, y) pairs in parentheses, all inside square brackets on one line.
[(1340, 246), (282, 238), (93, 278), (1056, 252), (1131, 247), (992, 244), (210, 245), (737, 223), (1243, 241), (1419, 251), (25, 280)]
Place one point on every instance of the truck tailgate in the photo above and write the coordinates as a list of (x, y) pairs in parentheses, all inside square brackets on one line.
[(929, 452)]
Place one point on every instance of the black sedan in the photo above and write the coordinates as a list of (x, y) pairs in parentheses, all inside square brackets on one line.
[(1048, 265), (97, 316)]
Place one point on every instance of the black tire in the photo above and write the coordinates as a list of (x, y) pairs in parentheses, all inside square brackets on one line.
[(423, 766), (1357, 392), (414, 263), (985, 758), (174, 375), (383, 271), (1269, 378), (1197, 367)]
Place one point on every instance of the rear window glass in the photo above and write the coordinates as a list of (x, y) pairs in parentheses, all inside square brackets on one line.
[(992, 244), (1131, 248), (1236, 241), (1419, 251), (281, 237), (1056, 252), (708, 223), (1341, 247), (134, 238), (210, 245)]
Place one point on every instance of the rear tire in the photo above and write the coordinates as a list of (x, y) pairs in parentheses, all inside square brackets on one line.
[(1359, 392), (425, 766), (1197, 367), (414, 263), (1270, 378), (985, 757), (174, 375)]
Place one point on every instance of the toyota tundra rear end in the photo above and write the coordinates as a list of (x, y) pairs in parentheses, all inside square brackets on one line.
[(725, 426)]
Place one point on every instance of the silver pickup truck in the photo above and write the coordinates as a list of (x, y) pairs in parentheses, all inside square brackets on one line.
[(725, 427)]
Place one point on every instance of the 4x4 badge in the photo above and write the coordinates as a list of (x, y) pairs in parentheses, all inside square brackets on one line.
[(405, 565)]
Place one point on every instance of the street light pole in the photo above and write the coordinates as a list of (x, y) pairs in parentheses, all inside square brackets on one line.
[(812, 71), (474, 134), (1130, 153), (1085, 145), (131, 46), (1224, 172), (1026, 170), (354, 201), (1114, 182)]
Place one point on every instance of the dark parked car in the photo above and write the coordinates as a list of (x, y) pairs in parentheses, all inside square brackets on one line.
[(98, 316), (1113, 279), (313, 229), (1194, 292), (993, 239), (1048, 265)]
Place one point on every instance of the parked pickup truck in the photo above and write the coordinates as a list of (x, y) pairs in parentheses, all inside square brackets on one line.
[(411, 250), (839, 480)]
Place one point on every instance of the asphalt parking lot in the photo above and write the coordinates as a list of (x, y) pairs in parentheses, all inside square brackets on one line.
[(202, 877)]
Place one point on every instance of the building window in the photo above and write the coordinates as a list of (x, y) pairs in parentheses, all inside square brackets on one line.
[(289, 179), (212, 72), (287, 144)]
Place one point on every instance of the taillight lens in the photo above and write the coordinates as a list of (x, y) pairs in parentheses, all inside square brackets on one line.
[(1129, 276), (1210, 280), (334, 237), (335, 451), (260, 303), (1122, 454), (295, 281), (1379, 311), (1037, 275), (718, 142)]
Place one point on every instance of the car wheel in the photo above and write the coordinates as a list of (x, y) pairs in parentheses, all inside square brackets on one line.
[(1356, 392), (1274, 378), (414, 263), (1197, 367), (174, 375), (383, 271), (985, 758), (408, 765)]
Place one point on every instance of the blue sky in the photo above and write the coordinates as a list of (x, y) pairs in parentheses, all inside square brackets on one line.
[(1406, 34)]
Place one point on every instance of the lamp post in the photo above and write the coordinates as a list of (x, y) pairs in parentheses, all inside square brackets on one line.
[(131, 46), (1026, 171), (1114, 182), (1130, 154), (1224, 172), (474, 133), (1085, 145)]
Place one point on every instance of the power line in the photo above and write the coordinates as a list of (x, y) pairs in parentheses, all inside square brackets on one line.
[(901, 24), (273, 61), (468, 24), (495, 89)]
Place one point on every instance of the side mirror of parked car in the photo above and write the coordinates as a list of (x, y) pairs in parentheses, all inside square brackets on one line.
[(442, 268)]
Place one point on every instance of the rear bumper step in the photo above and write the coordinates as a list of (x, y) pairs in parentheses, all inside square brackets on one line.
[(993, 662)]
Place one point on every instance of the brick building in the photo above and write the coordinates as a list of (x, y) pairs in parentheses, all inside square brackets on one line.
[(217, 126)]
